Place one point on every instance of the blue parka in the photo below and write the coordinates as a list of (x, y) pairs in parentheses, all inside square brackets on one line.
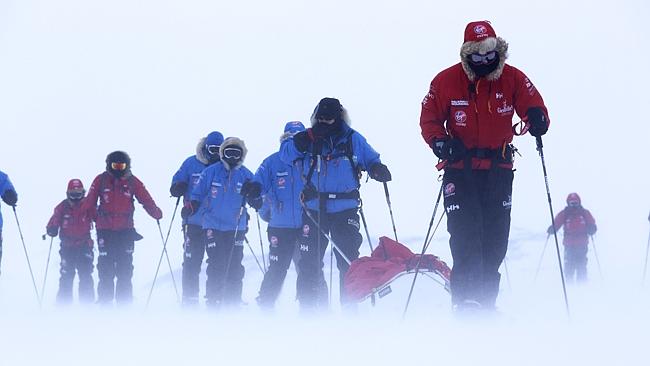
[(191, 169), (281, 187), (218, 191), (336, 175), (5, 185)]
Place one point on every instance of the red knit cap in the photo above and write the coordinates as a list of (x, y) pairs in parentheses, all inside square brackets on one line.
[(478, 31), (75, 185)]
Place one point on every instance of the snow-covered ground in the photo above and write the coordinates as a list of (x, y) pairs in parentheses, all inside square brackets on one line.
[(79, 79)]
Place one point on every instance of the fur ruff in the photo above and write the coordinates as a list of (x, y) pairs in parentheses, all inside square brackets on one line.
[(345, 116), (233, 141), (200, 152), (489, 44)]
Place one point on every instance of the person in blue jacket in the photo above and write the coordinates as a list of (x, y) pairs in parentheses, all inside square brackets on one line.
[(333, 156), (280, 184), (185, 179), (217, 199), (9, 196)]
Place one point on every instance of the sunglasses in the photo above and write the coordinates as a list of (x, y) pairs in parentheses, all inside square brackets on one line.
[(118, 166), (232, 153), (213, 149), (483, 59)]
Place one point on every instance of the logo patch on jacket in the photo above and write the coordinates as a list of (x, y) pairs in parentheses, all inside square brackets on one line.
[(461, 118), (456, 103), (505, 108), (450, 190)]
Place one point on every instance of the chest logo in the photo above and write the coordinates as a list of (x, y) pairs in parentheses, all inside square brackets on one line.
[(461, 118)]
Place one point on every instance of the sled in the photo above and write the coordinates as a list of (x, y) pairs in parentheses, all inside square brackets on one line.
[(372, 276)]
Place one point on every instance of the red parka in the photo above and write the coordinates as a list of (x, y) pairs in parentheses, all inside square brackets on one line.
[(480, 112), (578, 225), (74, 221), (116, 196)]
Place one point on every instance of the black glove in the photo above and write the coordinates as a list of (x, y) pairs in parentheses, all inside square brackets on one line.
[(251, 190), (178, 189), (255, 202), (380, 173), (452, 150), (591, 229), (52, 231), (309, 192), (537, 120), (10, 197), (189, 209), (302, 140), (550, 230)]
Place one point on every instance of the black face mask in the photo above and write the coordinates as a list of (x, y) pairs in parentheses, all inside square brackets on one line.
[(232, 155), (483, 69), (328, 130)]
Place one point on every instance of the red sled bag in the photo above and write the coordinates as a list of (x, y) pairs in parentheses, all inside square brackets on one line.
[(390, 260)]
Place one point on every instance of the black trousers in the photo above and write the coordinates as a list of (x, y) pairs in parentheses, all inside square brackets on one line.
[(115, 262), (225, 271), (343, 228), (575, 262), (76, 259), (282, 245), (193, 254), (477, 204)]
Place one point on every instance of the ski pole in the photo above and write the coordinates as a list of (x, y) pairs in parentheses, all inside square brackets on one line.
[(593, 243), (505, 267), (331, 276), (327, 236), (365, 227), (169, 263), (47, 267), (259, 231), (540, 149), (645, 265), (263, 270), (424, 248), (539, 264), (390, 210), (164, 253), (29, 264)]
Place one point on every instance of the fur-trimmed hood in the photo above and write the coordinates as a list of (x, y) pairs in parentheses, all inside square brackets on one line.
[(233, 141), (119, 156), (345, 116), (482, 47), (290, 129), (200, 152)]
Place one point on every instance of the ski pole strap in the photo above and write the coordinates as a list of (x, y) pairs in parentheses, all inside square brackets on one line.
[(352, 195)]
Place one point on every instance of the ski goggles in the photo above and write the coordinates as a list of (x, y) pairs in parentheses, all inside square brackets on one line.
[(489, 57), (118, 166), (232, 153), (573, 203), (213, 149), (76, 195)]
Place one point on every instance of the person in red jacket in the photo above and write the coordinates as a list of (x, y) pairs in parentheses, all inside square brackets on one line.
[(578, 224), (466, 119), (73, 222), (116, 188)]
